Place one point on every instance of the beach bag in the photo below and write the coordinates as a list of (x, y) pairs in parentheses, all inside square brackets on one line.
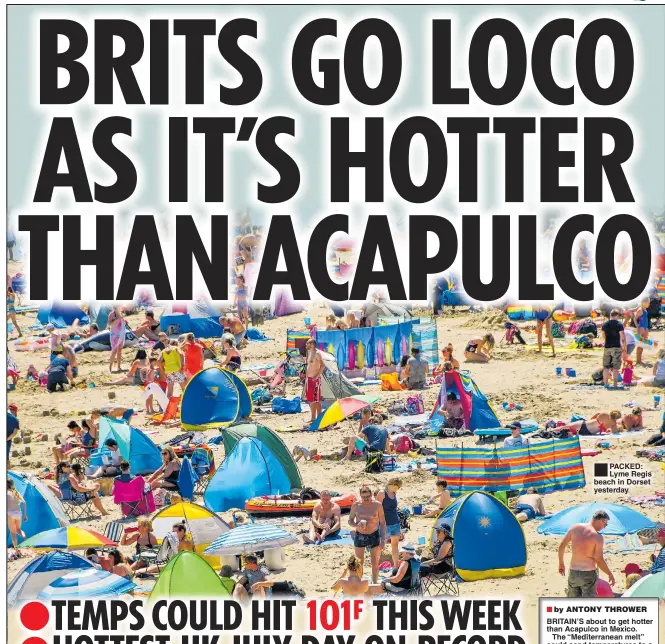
[(374, 462), (261, 396), (415, 405), (597, 376), (390, 382), (286, 405), (404, 444), (587, 327), (403, 514), (558, 330)]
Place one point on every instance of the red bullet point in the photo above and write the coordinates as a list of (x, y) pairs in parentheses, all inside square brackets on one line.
[(34, 640), (549, 609), (34, 616)]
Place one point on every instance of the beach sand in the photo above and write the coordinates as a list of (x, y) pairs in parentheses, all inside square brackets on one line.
[(518, 375)]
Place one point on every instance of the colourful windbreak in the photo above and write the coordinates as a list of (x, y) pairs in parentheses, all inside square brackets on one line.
[(549, 466)]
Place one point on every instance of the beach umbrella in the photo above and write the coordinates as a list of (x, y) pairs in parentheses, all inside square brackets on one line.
[(249, 538), (648, 586), (89, 583), (67, 538), (623, 520), (343, 408)]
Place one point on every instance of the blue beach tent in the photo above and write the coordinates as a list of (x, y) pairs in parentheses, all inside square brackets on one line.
[(43, 508), (623, 520), (143, 456), (250, 469), (187, 479), (61, 314), (488, 539), (199, 317), (214, 397)]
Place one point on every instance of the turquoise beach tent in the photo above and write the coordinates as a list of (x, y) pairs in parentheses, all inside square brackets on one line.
[(214, 397), (61, 314), (623, 520), (143, 456), (250, 469), (488, 539), (44, 509)]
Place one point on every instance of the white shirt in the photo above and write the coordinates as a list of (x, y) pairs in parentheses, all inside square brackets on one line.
[(515, 442)]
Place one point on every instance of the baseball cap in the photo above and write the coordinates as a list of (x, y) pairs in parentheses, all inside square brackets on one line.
[(631, 568), (12, 406), (515, 425)]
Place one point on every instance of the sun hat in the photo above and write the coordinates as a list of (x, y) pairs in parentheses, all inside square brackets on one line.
[(408, 548), (631, 568)]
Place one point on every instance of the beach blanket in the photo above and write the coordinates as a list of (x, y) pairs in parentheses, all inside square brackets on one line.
[(613, 437), (549, 466), (629, 543), (257, 367), (256, 335), (413, 465), (342, 538), (416, 419)]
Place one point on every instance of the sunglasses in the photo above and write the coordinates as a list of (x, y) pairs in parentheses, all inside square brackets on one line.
[(365, 496), (166, 454)]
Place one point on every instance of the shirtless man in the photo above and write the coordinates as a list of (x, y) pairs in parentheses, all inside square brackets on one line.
[(370, 529), (326, 520), (587, 556), (315, 368), (529, 506), (236, 327)]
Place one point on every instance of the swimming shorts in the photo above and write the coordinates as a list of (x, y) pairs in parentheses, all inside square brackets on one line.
[(313, 390), (176, 376), (367, 540), (527, 509)]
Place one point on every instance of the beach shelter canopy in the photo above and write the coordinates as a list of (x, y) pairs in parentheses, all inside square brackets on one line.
[(187, 479), (40, 572), (284, 304), (343, 408), (623, 519), (143, 455), (44, 509), (478, 413), (68, 538), (188, 575), (199, 317), (488, 539), (203, 526), (649, 586), (98, 312), (90, 583), (250, 469), (374, 310), (249, 538), (234, 433), (214, 397), (61, 314), (334, 384)]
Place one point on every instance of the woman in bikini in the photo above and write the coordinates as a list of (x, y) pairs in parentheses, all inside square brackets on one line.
[(543, 315), (233, 359), (137, 373), (351, 583), (600, 423), (167, 475), (14, 514), (642, 324), (479, 349), (11, 309), (116, 325), (142, 539)]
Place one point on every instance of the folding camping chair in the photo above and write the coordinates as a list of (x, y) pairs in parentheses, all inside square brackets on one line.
[(414, 590), (444, 584), (134, 501), (76, 510), (203, 463), (112, 531)]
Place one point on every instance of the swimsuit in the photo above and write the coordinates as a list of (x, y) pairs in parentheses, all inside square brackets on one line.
[(234, 363), (10, 305), (370, 541), (527, 509), (313, 389), (117, 334), (643, 321), (471, 347)]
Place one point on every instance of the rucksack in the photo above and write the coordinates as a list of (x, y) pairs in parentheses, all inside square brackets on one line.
[(403, 514), (588, 327), (309, 494), (261, 396), (374, 462), (404, 444), (286, 405), (415, 405)]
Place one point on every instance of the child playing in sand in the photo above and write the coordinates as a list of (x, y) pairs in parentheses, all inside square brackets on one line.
[(302, 452), (442, 497), (453, 411)]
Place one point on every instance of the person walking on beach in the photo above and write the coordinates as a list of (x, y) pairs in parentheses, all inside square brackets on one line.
[(615, 347), (587, 556), (315, 368), (369, 523)]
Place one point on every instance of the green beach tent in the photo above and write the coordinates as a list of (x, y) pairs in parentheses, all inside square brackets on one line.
[(233, 433), (188, 575)]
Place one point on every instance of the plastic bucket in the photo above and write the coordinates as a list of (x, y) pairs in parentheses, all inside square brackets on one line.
[(417, 509)]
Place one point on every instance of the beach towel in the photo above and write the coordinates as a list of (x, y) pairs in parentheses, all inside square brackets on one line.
[(342, 538), (256, 335), (363, 346)]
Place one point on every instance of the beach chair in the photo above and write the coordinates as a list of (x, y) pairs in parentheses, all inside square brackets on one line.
[(441, 585), (76, 510), (132, 497), (113, 531), (170, 413), (203, 462), (415, 589)]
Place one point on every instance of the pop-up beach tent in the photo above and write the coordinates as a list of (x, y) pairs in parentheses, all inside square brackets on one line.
[(44, 509), (235, 432), (137, 449), (488, 539), (478, 413), (199, 317), (188, 575), (214, 397), (250, 469), (61, 314)]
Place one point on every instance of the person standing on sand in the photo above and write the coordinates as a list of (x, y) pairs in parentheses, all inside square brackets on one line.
[(369, 523), (315, 368), (615, 348), (587, 556), (326, 520), (116, 326)]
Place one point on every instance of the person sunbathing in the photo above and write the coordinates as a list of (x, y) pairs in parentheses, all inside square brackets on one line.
[(441, 561), (233, 360), (530, 506), (479, 349), (251, 575), (600, 423), (351, 584), (83, 490), (167, 475), (142, 539), (326, 520), (633, 421), (137, 372)]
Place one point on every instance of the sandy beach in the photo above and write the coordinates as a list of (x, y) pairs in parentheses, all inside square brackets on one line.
[(518, 374)]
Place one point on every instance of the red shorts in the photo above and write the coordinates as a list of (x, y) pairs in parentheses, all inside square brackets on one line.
[(313, 390)]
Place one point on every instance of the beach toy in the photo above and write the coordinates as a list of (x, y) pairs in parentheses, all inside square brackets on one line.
[(418, 509), (91, 385), (422, 541), (77, 337), (308, 321), (559, 370), (656, 401), (352, 355), (360, 356), (572, 373), (605, 444)]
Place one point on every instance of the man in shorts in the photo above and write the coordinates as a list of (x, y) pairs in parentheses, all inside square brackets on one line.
[(615, 348), (369, 523), (315, 368), (326, 520), (587, 556)]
